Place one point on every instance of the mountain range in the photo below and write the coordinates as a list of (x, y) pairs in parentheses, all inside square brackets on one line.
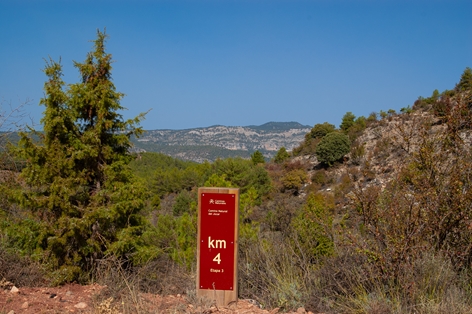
[(218, 141)]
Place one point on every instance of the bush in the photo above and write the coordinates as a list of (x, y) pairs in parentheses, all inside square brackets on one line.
[(313, 228), (294, 179), (332, 148), (185, 202)]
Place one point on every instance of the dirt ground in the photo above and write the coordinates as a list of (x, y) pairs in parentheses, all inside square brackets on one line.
[(74, 298)]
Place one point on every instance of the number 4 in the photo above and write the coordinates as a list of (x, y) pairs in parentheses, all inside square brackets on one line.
[(217, 259)]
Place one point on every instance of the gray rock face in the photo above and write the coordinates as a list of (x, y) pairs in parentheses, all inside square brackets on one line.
[(223, 141)]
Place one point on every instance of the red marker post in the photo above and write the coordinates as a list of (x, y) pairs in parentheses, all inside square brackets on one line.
[(217, 249)]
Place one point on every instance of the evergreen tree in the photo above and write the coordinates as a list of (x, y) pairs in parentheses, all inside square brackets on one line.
[(281, 155), (257, 158), (78, 183), (465, 84), (347, 122)]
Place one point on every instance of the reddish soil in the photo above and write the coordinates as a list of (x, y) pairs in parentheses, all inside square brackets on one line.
[(74, 298)]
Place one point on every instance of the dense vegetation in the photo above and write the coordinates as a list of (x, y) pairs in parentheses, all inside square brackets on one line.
[(372, 217)]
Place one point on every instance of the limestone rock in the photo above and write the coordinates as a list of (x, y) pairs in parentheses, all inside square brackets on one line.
[(81, 305)]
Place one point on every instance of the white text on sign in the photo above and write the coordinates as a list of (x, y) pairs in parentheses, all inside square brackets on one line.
[(216, 244)]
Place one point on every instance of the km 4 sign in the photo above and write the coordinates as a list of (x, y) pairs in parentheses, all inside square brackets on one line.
[(217, 240)]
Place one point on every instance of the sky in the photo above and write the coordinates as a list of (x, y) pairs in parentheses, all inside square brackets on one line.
[(237, 63)]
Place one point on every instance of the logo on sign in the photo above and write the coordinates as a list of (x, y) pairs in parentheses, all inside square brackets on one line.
[(217, 202)]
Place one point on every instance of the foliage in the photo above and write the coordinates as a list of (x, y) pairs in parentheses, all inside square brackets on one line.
[(426, 103), (77, 181), (281, 156), (428, 208), (353, 126), (383, 114), (313, 227), (406, 110), (144, 164), (465, 86), (320, 178), (321, 129), (357, 152), (293, 180), (257, 158), (185, 202), (465, 83), (359, 125), (243, 174), (332, 148), (401, 247), (186, 244), (248, 228), (308, 146), (197, 153), (347, 121), (372, 117), (10, 120)]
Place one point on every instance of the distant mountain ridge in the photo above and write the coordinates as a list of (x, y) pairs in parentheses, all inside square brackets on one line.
[(218, 141)]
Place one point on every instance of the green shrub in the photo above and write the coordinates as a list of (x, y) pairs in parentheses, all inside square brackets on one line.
[(294, 179), (313, 227), (185, 202), (332, 148)]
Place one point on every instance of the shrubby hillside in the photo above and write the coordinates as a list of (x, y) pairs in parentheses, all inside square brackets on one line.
[(371, 216)]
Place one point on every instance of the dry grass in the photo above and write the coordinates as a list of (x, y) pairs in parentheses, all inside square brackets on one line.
[(125, 285), (20, 270)]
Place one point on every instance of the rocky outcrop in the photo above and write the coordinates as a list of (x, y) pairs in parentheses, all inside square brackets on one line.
[(267, 138)]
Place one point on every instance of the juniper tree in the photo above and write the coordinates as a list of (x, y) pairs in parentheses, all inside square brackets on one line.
[(77, 180)]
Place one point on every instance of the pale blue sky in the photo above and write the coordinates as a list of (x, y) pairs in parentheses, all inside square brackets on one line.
[(201, 63)]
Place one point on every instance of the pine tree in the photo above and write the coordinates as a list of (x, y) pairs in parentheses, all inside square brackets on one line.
[(257, 158), (78, 183), (465, 84), (281, 155), (347, 122)]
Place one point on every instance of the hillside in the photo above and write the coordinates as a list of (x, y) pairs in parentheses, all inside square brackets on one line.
[(210, 143), (372, 217)]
